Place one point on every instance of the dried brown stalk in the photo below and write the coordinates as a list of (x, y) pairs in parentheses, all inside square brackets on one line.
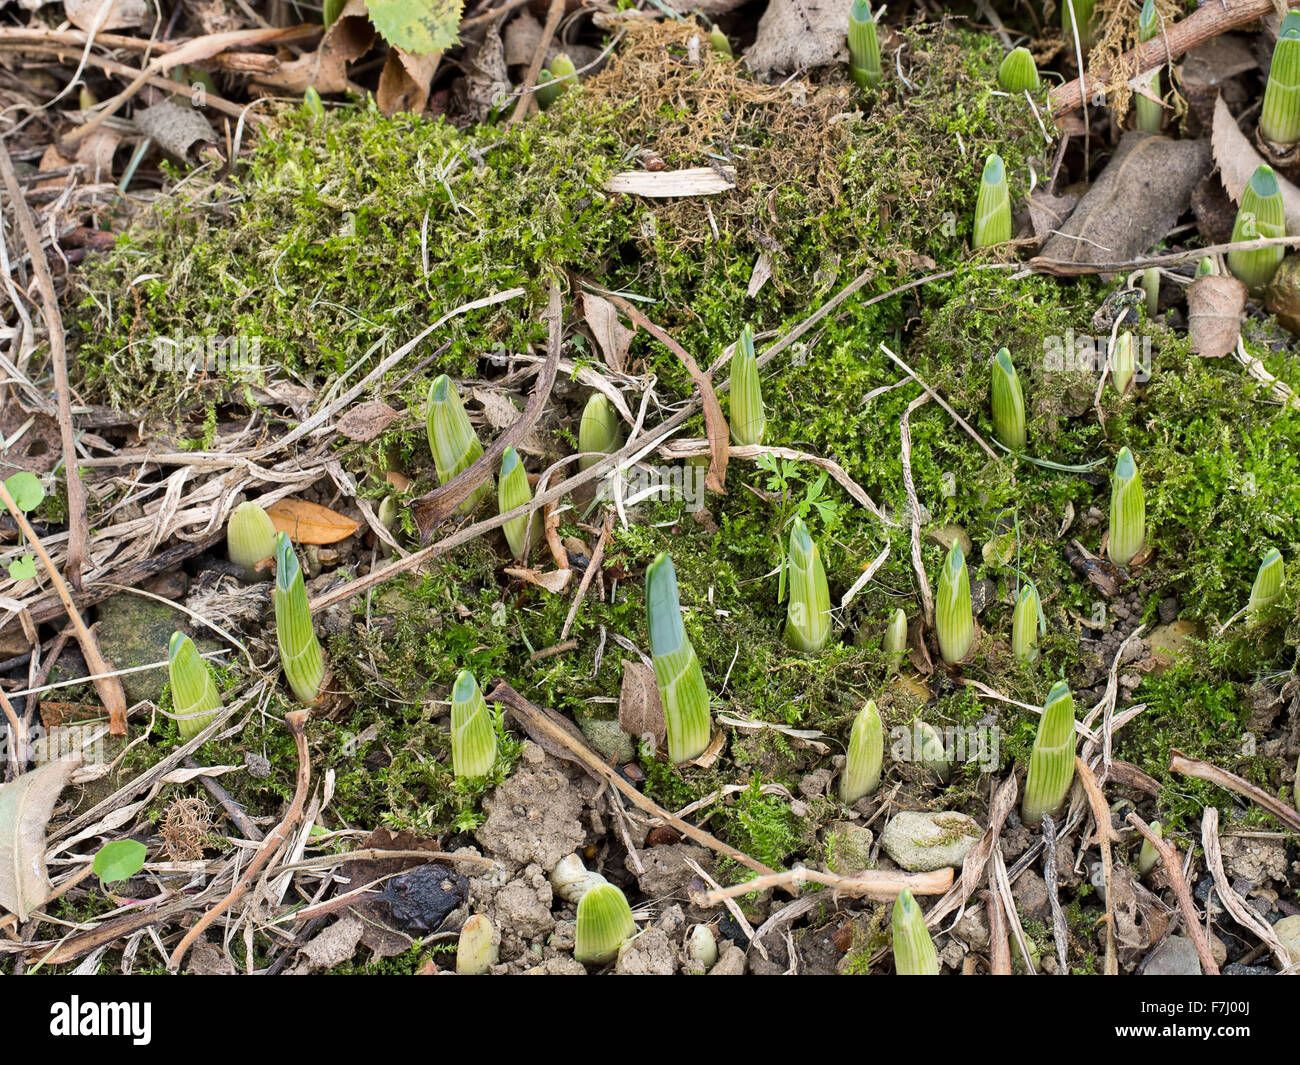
[(1105, 836), (1174, 868), (1194, 767), (882, 885)]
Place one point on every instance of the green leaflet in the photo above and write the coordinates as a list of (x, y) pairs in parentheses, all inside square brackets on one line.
[(473, 739), (300, 653), (914, 953), (195, 698), (1128, 512), (514, 491), (861, 774), (953, 620), (677, 670), (993, 205), (747, 418), (1279, 120), (1008, 402)]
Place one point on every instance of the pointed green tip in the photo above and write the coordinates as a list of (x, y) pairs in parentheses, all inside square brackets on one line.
[(861, 11), (1263, 182), (799, 536), (955, 560), (994, 170), (1027, 592), (1148, 20), (904, 905), (562, 66), (1125, 466), (663, 607), (438, 390), (746, 344), (1003, 359), (176, 645), (1290, 30), (1271, 558), (1060, 690), (286, 562), (465, 687), (509, 460)]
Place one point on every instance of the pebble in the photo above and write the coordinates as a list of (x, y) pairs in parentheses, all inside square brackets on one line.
[(732, 963), (1288, 931), (1237, 969), (922, 842), (1176, 956)]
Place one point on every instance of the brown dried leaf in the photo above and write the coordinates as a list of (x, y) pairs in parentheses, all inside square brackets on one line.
[(404, 81), (122, 14), (612, 336), (310, 523), (1047, 213), (640, 710), (366, 421), (666, 184), (175, 129), (551, 580), (1215, 306), (1238, 160), (797, 34), (25, 808)]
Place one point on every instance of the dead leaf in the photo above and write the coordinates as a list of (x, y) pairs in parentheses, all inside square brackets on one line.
[(487, 81), (498, 408), (122, 14), (551, 580), (404, 81), (1047, 213), (665, 184), (25, 808), (1238, 160), (326, 69), (175, 129), (331, 947), (1134, 202), (366, 421), (521, 39), (1215, 306), (310, 523), (711, 752), (612, 336), (96, 153), (798, 34), (640, 710), (760, 275), (1140, 917)]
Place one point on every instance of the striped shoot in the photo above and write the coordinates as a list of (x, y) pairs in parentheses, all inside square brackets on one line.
[(808, 616), (1123, 362), (452, 440), (1261, 214), (953, 620), (473, 738), (1077, 13), (747, 418), (1267, 586), (993, 205), (864, 46), (250, 539), (914, 953), (604, 924), (1018, 72), (195, 698), (861, 774), (599, 432), (896, 639), (1008, 402), (1128, 511), (513, 490), (1026, 624), (1279, 121), (300, 652), (1051, 763), (1150, 113), (1148, 856), (677, 671)]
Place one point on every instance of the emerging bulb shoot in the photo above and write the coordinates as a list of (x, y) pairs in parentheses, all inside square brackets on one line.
[(1128, 512), (1279, 121), (250, 539), (677, 671), (808, 616), (1123, 362), (1008, 402), (1026, 623), (719, 42), (914, 953), (928, 749), (473, 739), (896, 639), (993, 205), (604, 924), (1150, 112), (861, 774), (1051, 763), (747, 418), (300, 652), (1018, 72), (478, 948), (1077, 13), (953, 620), (1148, 855), (452, 440), (1267, 586), (514, 491), (599, 431), (195, 698), (1261, 214), (864, 46)]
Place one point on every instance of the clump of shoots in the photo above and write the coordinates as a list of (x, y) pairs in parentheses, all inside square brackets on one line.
[(914, 953), (599, 431), (1123, 362), (861, 774), (195, 698), (1150, 113), (1151, 286), (953, 620), (1026, 624), (473, 739), (300, 652), (1051, 763), (1077, 13), (808, 617), (928, 749), (1128, 511), (677, 670), (514, 491), (604, 924), (452, 440), (719, 42), (478, 948), (1018, 72), (993, 205), (556, 81), (1267, 586), (1279, 121), (1008, 402), (1261, 214), (864, 46), (250, 539), (1148, 855), (896, 639), (747, 418)]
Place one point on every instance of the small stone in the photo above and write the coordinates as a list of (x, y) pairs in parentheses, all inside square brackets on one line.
[(815, 784), (732, 963), (1176, 956), (1218, 950), (1237, 969), (259, 767), (134, 631), (1168, 610), (1288, 931), (848, 847), (1030, 893), (649, 954), (665, 868), (922, 842)]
